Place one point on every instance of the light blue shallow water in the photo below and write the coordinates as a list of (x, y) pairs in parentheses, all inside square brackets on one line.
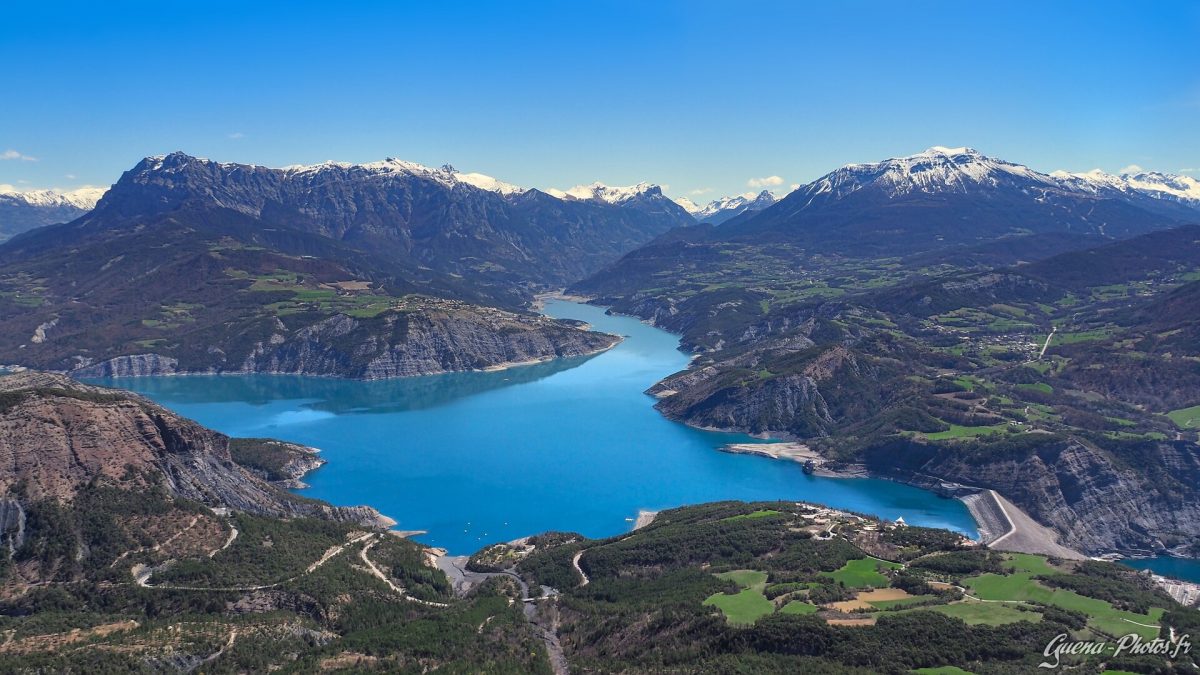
[(475, 458)]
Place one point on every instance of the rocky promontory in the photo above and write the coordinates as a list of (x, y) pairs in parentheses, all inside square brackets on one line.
[(58, 437)]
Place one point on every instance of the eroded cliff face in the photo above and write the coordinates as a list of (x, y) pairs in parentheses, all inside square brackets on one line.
[(448, 338), (744, 394), (57, 436), (1094, 500)]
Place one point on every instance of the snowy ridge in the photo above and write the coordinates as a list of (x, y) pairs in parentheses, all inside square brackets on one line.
[(689, 205), (1171, 187), (942, 170), (447, 175), (83, 198), (720, 210), (936, 170), (605, 193)]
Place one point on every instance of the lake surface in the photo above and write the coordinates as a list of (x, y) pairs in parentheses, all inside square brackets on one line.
[(476, 458), (1187, 569)]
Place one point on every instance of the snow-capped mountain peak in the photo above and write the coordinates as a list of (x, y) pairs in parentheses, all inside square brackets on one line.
[(1184, 188), (83, 198), (720, 210), (22, 210), (607, 193), (446, 175), (936, 170), (948, 152), (1170, 187), (689, 205)]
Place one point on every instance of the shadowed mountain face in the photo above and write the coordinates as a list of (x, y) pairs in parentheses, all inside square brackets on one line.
[(435, 218), (208, 291)]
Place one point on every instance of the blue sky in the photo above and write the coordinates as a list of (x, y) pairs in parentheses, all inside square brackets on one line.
[(694, 95)]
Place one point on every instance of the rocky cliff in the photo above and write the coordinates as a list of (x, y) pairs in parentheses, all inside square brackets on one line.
[(1095, 500), (808, 392), (442, 336), (58, 436)]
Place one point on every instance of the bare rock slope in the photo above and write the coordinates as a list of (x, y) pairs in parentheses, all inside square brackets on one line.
[(58, 436)]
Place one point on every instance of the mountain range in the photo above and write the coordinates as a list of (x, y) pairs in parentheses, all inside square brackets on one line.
[(1164, 186), (377, 270), (946, 196), (436, 218)]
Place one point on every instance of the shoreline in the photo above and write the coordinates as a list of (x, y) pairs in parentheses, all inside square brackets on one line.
[(644, 518), (798, 452), (499, 367)]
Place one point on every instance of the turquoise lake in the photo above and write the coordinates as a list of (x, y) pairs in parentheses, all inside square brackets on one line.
[(1187, 569), (476, 458)]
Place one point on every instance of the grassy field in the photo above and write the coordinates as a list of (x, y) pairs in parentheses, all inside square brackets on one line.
[(1020, 586), (1028, 562), (798, 607), (1186, 418), (745, 607), (958, 431), (983, 613), (862, 573)]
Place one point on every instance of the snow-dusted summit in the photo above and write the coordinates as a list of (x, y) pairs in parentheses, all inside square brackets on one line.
[(22, 210), (83, 198), (936, 170), (607, 193), (721, 210), (446, 175), (1165, 186)]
